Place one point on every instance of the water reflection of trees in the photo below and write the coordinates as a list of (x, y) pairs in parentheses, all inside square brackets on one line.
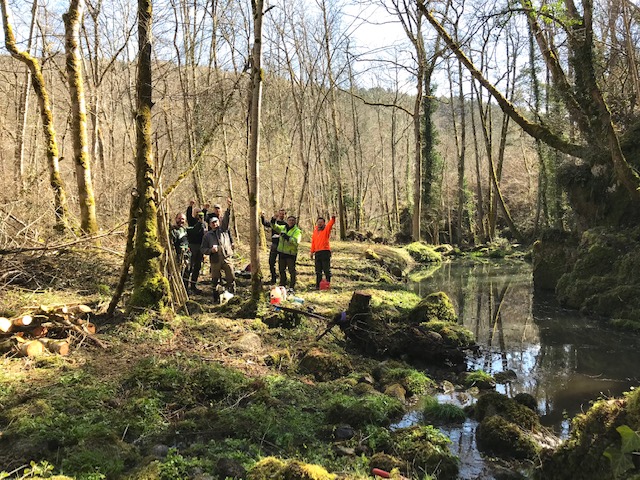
[(557, 355)]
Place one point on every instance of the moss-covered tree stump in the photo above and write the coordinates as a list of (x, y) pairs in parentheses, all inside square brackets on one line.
[(429, 332)]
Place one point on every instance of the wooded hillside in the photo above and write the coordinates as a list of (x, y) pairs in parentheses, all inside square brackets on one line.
[(489, 118)]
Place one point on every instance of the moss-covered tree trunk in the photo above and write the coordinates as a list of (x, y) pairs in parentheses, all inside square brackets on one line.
[(150, 287), (55, 179), (254, 147), (72, 20)]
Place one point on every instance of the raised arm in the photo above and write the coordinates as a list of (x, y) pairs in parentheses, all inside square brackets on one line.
[(224, 221)]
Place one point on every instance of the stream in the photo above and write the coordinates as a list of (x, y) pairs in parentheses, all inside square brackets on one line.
[(562, 358)]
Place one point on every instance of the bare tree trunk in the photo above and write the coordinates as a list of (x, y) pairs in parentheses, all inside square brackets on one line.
[(479, 197), (254, 147), (23, 108), (461, 157), (227, 168), (417, 162), (55, 179), (150, 287), (394, 162), (335, 162), (72, 20), (95, 104)]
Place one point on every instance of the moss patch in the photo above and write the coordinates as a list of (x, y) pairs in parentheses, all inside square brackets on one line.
[(581, 456), (605, 277), (435, 306), (423, 449), (494, 403), (497, 436), (423, 253), (325, 365), (370, 409)]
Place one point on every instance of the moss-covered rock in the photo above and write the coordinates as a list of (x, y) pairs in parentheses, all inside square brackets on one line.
[(553, 255), (423, 253), (269, 468), (396, 390), (413, 381), (428, 332), (605, 277), (296, 470), (527, 400), (581, 456), (423, 449), (434, 307), (451, 333), (479, 379), (272, 468), (385, 462), (325, 366), (494, 403), (497, 436)]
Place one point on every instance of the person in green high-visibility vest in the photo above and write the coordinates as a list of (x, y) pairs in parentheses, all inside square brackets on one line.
[(290, 236)]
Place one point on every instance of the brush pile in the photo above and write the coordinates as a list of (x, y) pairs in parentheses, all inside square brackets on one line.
[(43, 329)]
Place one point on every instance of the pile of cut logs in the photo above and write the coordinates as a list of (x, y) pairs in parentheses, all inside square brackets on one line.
[(47, 328)]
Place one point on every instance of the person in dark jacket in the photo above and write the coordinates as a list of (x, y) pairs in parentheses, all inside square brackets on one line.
[(180, 242), (218, 245), (275, 238), (191, 213), (195, 234)]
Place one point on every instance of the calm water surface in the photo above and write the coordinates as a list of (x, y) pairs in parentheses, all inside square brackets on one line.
[(563, 359)]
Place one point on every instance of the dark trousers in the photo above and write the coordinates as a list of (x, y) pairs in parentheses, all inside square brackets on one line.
[(196, 262), (287, 262), (273, 256), (323, 265), (183, 264)]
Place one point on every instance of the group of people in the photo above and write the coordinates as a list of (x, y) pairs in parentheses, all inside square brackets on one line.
[(285, 240), (201, 231)]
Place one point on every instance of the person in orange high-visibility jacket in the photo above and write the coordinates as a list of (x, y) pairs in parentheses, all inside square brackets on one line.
[(320, 248)]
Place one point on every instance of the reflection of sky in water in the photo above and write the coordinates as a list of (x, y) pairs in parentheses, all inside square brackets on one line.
[(565, 360)]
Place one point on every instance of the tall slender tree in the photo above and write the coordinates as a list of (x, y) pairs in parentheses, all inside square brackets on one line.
[(150, 287), (55, 178), (255, 108), (72, 22)]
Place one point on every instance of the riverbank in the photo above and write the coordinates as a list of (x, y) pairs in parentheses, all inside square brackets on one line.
[(205, 395), (209, 395)]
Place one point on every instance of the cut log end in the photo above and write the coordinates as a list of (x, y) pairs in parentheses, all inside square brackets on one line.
[(31, 349), (5, 324), (23, 321), (61, 347)]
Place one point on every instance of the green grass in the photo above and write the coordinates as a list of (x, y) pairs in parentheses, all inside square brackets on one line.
[(437, 413)]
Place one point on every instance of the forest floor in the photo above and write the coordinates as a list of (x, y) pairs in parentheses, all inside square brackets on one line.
[(209, 394)]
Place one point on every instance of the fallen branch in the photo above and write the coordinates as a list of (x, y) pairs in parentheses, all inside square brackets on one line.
[(85, 334), (301, 312), (62, 245)]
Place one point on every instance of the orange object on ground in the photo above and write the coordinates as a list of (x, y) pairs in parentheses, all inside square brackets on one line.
[(278, 294), (380, 473)]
